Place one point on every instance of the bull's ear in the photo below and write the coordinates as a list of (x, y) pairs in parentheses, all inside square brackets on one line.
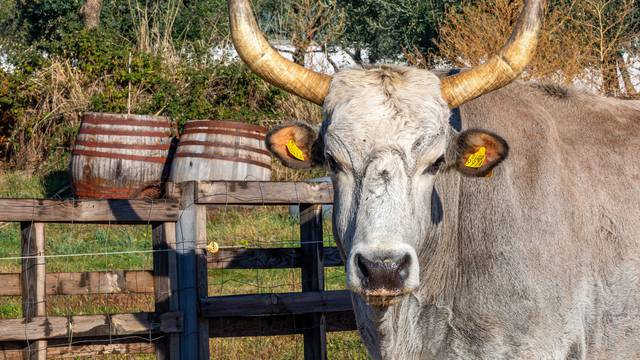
[(478, 152), (297, 145)]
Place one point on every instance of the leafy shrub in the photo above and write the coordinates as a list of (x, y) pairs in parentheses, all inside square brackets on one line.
[(41, 101)]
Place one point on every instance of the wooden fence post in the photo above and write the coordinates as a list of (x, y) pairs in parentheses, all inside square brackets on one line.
[(33, 282), (191, 239), (315, 336), (165, 281)]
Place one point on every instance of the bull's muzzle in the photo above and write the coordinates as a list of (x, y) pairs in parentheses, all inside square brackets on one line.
[(383, 273), (382, 277)]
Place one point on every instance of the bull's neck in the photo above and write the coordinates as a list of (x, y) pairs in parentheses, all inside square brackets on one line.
[(428, 310), (388, 328)]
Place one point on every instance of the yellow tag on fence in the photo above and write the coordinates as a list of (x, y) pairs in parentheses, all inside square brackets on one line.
[(476, 160), (295, 151), (213, 247)]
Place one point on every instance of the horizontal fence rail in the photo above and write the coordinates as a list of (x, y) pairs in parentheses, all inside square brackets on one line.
[(276, 304), (258, 193), (55, 327), (86, 347), (88, 211), (142, 282), (274, 258)]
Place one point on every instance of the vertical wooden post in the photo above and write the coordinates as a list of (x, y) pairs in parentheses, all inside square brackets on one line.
[(190, 237), (315, 336), (33, 282), (202, 277), (165, 280)]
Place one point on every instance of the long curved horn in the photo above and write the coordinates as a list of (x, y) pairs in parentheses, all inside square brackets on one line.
[(256, 52), (503, 68)]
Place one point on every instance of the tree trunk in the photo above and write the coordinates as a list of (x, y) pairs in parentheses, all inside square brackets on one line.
[(626, 78), (90, 13), (609, 72)]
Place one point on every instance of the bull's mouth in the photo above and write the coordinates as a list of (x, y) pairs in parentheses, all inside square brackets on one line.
[(382, 297)]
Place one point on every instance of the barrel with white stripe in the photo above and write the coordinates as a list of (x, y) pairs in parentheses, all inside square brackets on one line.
[(221, 150), (120, 156)]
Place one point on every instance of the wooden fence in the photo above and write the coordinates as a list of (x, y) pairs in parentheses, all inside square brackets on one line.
[(185, 316)]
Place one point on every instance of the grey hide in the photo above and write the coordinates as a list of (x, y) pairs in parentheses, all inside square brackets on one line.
[(539, 261)]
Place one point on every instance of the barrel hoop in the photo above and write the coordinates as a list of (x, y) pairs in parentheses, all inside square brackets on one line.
[(225, 145), (101, 121), (223, 132), (84, 131), (223, 157), (123, 146), (224, 124), (107, 155)]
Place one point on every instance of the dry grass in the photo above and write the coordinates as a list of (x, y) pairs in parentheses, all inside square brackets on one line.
[(299, 109), (559, 51), (61, 92), (63, 305), (280, 172), (154, 26), (581, 40), (340, 346)]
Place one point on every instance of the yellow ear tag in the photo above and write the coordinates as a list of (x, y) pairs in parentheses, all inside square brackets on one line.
[(295, 151), (476, 160), (213, 247)]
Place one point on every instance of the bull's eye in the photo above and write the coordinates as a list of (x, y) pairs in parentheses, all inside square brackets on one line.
[(333, 164), (433, 168)]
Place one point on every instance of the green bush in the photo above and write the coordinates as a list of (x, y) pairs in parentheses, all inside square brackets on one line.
[(40, 102)]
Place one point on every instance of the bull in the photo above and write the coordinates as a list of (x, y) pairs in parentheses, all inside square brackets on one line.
[(451, 251)]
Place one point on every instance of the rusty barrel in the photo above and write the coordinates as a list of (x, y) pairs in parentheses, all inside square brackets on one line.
[(221, 150), (120, 156)]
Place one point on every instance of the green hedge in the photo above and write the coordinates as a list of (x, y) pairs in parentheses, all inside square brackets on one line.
[(40, 102)]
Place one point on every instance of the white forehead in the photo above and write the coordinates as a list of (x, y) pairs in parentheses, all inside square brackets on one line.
[(370, 108)]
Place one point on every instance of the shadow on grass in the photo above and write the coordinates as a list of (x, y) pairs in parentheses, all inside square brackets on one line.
[(57, 185)]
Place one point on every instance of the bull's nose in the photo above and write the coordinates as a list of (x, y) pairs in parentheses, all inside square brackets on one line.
[(384, 272)]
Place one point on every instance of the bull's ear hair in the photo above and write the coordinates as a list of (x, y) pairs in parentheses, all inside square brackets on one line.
[(297, 145), (477, 152)]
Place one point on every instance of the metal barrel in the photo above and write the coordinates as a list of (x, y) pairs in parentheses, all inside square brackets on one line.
[(121, 156), (221, 150)]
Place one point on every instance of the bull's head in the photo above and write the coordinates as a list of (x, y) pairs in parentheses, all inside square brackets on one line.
[(385, 137)]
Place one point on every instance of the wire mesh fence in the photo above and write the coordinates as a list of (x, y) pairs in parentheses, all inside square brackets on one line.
[(104, 272), (278, 228)]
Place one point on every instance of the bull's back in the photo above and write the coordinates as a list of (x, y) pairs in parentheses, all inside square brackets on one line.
[(566, 145), (561, 248)]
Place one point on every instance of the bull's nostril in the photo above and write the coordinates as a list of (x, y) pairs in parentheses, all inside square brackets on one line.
[(403, 267), (404, 262), (362, 266)]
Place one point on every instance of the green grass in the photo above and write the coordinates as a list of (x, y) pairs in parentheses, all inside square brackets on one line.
[(258, 227), (18, 185), (52, 181), (80, 239)]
